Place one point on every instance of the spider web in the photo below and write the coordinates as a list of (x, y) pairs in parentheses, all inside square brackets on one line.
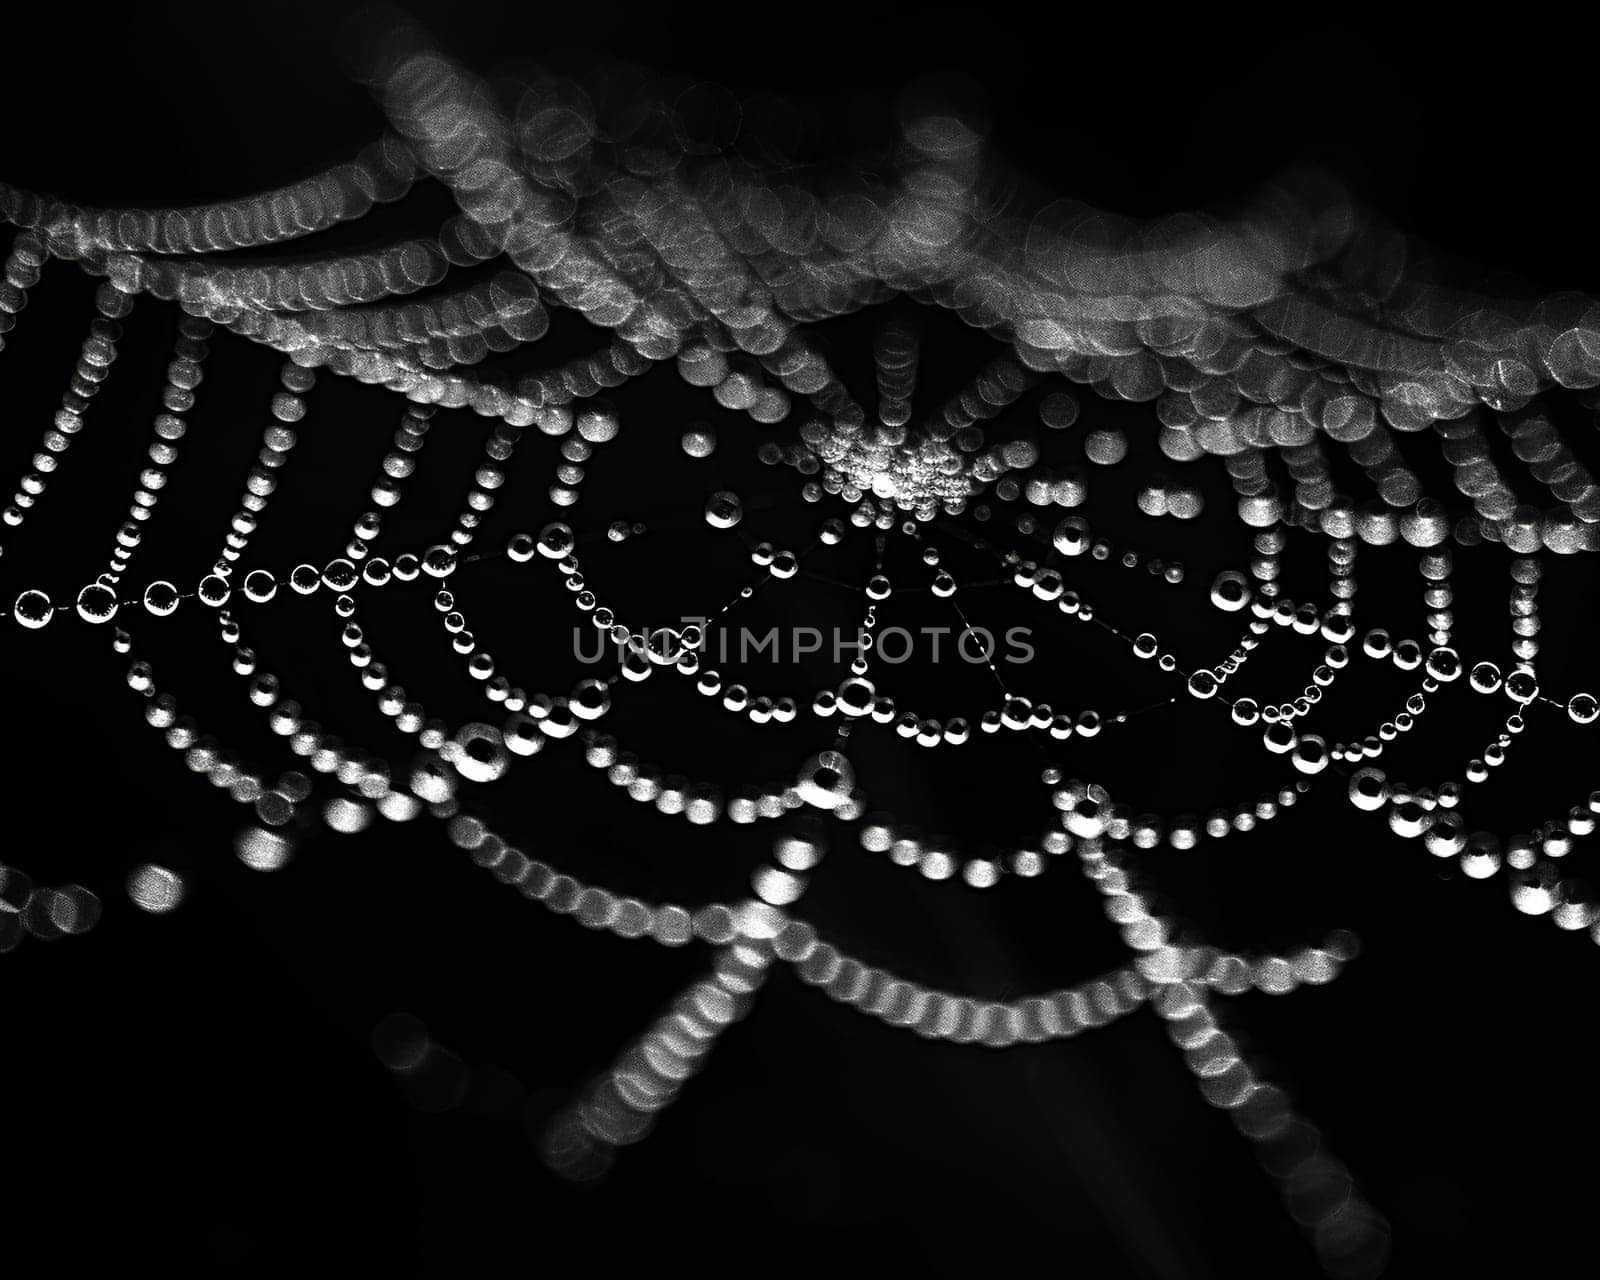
[(1306, 361)]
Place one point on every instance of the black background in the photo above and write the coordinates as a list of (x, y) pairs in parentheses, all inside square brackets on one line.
[(200, 1089)]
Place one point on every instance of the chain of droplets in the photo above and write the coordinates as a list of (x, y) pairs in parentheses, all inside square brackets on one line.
[(1349, 1236), (22, 270), (620, 1108), (183, 374)]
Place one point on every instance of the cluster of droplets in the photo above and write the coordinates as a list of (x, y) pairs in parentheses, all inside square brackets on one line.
[(29, 910)]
